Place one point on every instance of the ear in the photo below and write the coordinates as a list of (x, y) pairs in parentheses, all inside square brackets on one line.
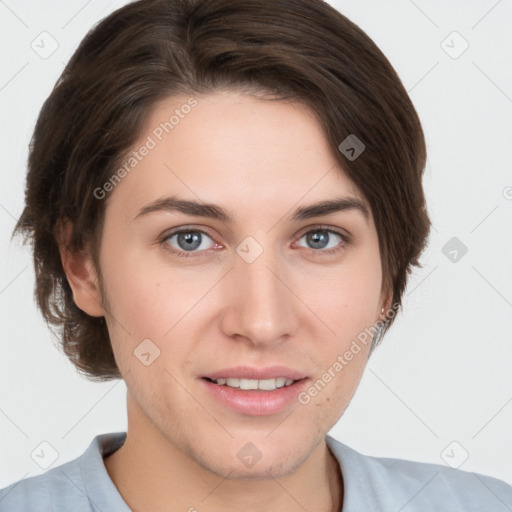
[(80, 272)]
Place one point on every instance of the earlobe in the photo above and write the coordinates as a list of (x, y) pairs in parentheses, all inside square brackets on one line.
[(386, 305), (81, 275)]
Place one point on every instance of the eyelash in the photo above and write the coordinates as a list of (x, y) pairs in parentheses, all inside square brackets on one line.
[(345, 240)]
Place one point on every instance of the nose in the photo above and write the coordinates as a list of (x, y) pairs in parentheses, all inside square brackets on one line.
[(261, 305)]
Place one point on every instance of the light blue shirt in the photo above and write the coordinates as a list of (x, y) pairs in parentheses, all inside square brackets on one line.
[(371, 484)]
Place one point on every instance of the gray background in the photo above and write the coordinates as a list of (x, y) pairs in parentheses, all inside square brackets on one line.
[(439, 388)]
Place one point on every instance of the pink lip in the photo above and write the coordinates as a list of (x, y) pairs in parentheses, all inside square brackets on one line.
[(255, 402), (250, 372)]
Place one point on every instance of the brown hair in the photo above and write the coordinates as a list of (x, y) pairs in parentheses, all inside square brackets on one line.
[(148, 50)]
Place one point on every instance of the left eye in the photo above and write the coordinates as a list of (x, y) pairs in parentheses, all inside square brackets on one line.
[(320, 238)]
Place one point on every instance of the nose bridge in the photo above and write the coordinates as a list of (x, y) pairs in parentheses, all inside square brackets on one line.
[(260, 308)]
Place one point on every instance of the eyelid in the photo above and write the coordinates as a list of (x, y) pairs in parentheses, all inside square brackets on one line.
[(347, 237)]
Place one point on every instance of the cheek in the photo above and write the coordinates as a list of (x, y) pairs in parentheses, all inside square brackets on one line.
[(145, 297), (152, 302), (332, 389), (347, 309), (347, 300)]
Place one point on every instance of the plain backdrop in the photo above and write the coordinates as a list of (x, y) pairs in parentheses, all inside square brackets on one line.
[(439, 388)]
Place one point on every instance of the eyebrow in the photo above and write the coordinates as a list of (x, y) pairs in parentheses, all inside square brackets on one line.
[(213, 211)]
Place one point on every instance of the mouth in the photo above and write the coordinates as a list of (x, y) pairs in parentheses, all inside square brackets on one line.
[(255, 391)]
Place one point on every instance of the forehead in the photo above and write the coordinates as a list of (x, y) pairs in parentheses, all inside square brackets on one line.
[(233, 149)]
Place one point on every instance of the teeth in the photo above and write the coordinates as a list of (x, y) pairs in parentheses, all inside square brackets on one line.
[(265, 384)]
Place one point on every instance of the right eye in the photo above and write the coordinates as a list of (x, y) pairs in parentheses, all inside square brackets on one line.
[(183, 241)]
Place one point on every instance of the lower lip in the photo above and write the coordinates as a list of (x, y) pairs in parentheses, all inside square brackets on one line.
[(255, 402)]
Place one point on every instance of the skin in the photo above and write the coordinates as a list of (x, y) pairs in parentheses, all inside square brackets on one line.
[(294, 305)]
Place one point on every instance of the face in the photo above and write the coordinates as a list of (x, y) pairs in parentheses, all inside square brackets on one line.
[(262, 293)]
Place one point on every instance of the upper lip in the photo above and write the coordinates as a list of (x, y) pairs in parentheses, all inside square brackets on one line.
[(251, 372)]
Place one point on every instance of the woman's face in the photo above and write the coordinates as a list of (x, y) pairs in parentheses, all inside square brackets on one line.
[(274, 286)]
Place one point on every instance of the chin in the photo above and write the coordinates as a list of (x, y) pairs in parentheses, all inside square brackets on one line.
[(259, 459), (274, 468)]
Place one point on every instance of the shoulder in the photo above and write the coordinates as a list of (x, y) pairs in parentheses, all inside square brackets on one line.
[(37, 493), (409, 486), (80, 484)]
